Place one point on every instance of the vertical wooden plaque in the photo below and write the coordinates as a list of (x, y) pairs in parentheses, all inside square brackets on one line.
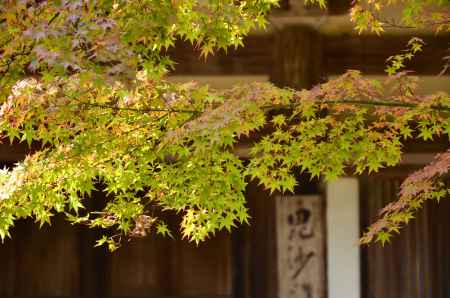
[(300, 246)]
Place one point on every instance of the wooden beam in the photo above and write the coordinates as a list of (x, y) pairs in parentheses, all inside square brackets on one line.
[(252, 59), (369, 53), (341, 48)]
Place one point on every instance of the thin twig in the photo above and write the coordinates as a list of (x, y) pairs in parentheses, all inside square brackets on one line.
[(53, 18)]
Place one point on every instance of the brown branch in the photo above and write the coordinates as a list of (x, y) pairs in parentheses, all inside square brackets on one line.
[(12, 59), (149, 110), (279, 107), (387, 104), (362, 103), (55, 16)]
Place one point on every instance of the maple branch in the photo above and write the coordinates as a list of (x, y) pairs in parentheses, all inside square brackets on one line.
[(147, 110), (363, 103), (7, 64), (275, 107), (56, 15), (387, 104)]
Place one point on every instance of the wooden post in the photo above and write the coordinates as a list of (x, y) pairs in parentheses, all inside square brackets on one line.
[(297, 57), (300, 247), (300, 220)]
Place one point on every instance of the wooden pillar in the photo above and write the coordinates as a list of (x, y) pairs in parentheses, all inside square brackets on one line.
[(300, 220), (343, 256), (300, 246), (297, 57)]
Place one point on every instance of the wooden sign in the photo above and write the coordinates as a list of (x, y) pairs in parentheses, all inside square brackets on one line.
[(300, 246)]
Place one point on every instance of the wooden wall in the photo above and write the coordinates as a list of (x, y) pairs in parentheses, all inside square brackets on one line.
[(416, 264), (255, 248), (60, 261)]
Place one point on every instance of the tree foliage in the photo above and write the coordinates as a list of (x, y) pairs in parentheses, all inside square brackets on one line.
[(85, 81)]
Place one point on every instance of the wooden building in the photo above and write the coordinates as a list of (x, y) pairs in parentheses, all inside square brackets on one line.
[(302, 245)]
